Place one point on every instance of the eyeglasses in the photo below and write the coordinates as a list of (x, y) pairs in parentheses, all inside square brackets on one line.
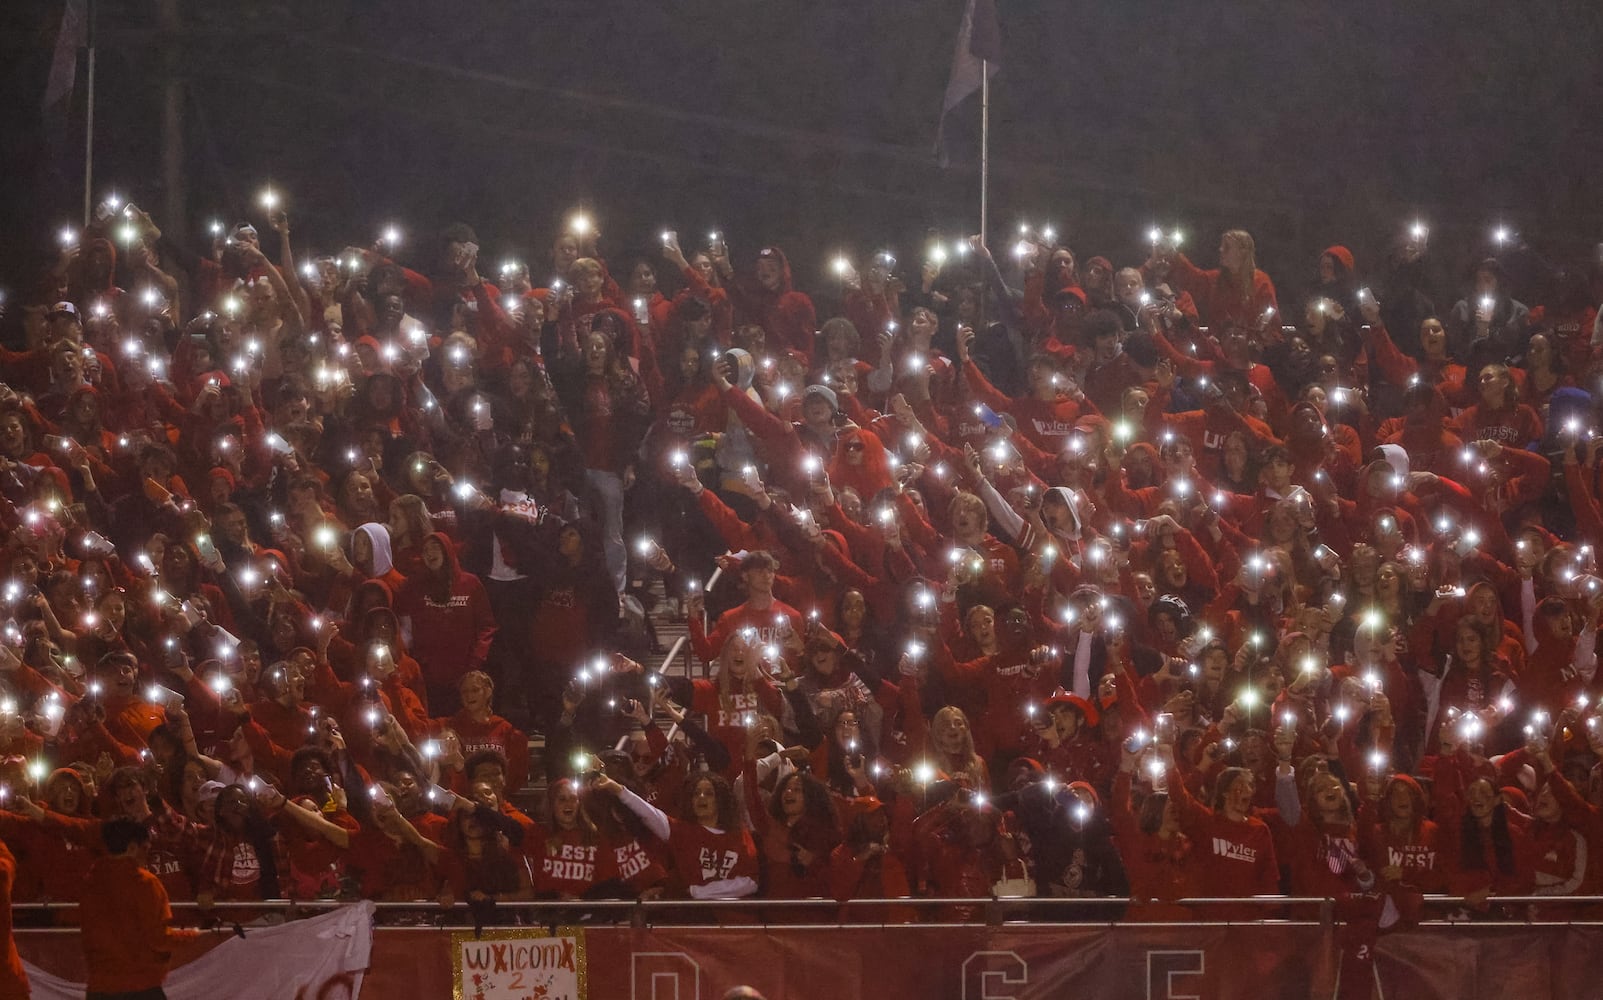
[(855, 446)]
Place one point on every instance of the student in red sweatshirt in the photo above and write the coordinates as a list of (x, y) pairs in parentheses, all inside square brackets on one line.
[(1159, 858), (1237, 845), (127, 942), (1234, 293), (445, 615), (714, 857), (479, 728), (768, 297), (13, 980), (797, 829), (567, 856)]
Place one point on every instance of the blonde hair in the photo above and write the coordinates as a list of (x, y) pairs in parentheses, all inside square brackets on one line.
[(965, 761), (725, 678), (1249, 267)]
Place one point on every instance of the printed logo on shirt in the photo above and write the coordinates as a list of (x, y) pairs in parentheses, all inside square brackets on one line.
[(1412, 856), (1052, 428), (631, 859), (1016, 670), (743, 703), (716, 865), (1212, 441), (1232, 851), (456, 601), (247, 867), (572, 863)]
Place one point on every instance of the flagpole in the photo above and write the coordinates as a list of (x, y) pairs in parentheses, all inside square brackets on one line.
[(89, 115), (985, 148)]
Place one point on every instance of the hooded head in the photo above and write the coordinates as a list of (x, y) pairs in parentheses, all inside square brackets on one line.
[(441, 577), (768, 258), (1342, 258), (378, 536), (860, 462)]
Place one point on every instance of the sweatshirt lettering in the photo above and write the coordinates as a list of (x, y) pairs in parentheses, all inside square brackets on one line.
[(1232, 851), (716, 865), (1411, 856)]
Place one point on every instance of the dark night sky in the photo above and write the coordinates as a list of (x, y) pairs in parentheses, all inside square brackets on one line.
[(811, 123)]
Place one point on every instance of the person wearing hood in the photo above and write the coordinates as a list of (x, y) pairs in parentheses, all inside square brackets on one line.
[(768, 297), (1489, 315), (1401, 843), (446, 618), (371, 556), (1562, 664), (1338, 275), (788, 444), (1071, 839), (1423, 431), (373, 624), (56, 840)]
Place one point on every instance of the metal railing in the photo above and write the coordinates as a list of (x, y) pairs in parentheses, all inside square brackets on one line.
[(992, 910)]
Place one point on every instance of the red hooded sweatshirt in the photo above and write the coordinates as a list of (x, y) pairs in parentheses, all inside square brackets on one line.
[(785, 314), (450, 617)]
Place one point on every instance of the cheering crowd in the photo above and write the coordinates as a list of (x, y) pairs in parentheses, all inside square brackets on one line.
[(1023, 573)]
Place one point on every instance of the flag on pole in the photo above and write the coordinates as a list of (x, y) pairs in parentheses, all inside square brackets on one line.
[(74, 35), (978, 54)]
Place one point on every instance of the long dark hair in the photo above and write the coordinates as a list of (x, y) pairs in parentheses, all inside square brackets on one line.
[(262, 838), (817, 806), (1472, 852), (728, 806)]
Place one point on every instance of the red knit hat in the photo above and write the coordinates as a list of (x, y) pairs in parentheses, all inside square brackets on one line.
[(1341, 255)]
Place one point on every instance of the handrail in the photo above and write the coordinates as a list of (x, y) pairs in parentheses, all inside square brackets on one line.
[(916, 902)]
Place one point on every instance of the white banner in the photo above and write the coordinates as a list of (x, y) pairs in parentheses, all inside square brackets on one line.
[(298, 960)]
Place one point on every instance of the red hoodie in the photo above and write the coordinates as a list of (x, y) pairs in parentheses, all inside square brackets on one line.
[(13, 980), (1418, 853), (1219, 300), (785, 314), (1241, 855), (451, 627), (1159, 870), (126, 941)]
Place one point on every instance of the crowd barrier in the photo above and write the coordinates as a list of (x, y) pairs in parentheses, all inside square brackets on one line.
[(629, 950)]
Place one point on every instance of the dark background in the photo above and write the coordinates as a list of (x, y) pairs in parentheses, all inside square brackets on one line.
[(811, 124)]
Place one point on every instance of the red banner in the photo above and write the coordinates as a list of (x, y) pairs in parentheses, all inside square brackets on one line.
[(1014, 962)]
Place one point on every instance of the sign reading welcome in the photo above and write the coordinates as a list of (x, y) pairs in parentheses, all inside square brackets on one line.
[(519, 963)]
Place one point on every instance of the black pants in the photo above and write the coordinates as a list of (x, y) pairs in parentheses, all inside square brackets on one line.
[(154, 993)]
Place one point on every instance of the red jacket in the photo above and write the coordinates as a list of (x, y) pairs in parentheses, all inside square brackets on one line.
[(449, 638), (1159, 870), (1219, 301), (126, 941), (13, 980), (1240, 856), (786, 315)]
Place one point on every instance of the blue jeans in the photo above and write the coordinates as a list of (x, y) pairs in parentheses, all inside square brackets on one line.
[(608, 487)]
